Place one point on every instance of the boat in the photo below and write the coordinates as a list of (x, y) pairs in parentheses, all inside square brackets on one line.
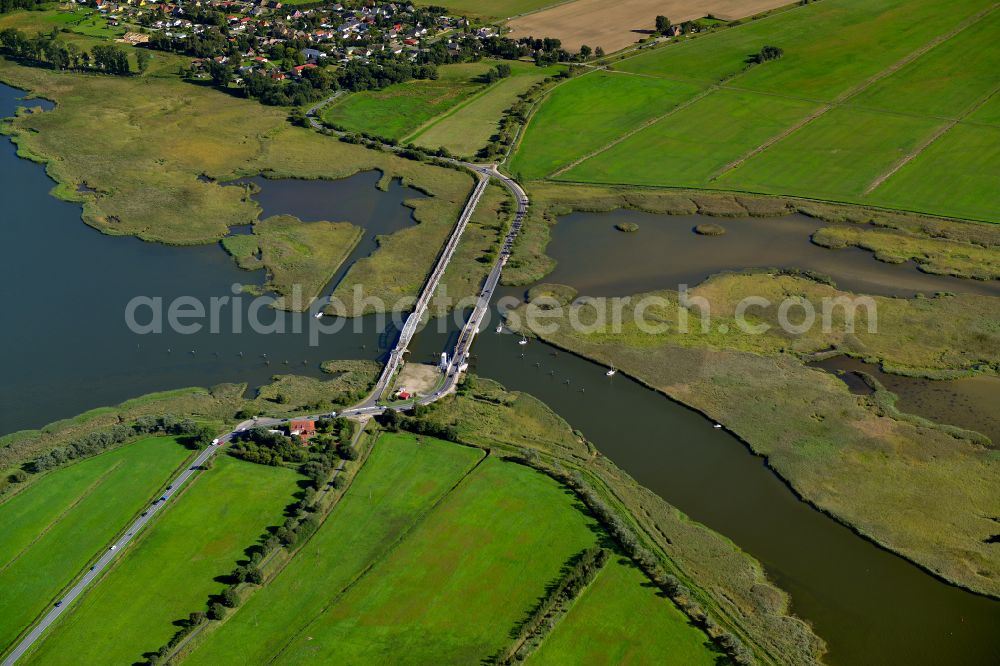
[(611, 371), (522, 341), (319, 314), (717, 426), (499, 328)]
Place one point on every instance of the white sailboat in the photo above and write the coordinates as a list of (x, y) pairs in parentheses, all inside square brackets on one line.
[(522, 341), (499, 328), (611, 371)]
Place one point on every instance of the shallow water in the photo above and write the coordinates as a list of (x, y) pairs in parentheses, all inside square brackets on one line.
[(346, 200), (970, 402), (665, 252)]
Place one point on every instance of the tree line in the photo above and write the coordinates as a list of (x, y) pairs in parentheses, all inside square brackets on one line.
[(47, 49), (95, 442), (11, 5)]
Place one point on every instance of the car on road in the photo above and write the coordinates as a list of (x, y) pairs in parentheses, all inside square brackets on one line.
[(163, 499), (170, 486), (58, 603), (114, 547)]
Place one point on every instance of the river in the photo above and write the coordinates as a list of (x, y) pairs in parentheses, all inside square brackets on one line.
[(66, 349)]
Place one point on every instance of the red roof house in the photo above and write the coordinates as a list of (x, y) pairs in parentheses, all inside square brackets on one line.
[(303, 428)]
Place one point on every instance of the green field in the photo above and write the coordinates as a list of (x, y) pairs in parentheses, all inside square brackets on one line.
[(56, 526), (401, 109), (589, 112), (400, 481), (602, 626), (469, 126), (171, 570), (466, 575), (888, 76), (678, 150)]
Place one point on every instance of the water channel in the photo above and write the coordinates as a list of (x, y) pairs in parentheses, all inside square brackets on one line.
[(65, 348)]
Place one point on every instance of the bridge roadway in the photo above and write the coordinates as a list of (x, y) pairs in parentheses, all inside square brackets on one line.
[(420, 309)]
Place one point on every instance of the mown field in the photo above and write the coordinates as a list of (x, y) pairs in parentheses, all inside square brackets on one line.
[(173, 568), (469, 126), (619, 619), (872, 102), (434, 554), (462, 579), (398, 484), (53, 528), (399, 110)]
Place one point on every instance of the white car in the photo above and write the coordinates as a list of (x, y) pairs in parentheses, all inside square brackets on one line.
[(114, 547)]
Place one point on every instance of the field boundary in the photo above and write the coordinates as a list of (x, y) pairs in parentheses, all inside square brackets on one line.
[(924, 145), (624, 137), (62, 514), (857, 89)]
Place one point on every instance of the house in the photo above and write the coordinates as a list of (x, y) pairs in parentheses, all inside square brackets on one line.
[(404, 395), (133, 38), (302, 428)]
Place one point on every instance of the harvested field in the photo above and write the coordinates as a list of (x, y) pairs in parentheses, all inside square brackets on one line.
[(614, 26)]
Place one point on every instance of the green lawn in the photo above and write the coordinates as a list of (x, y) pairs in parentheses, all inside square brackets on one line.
[(52, 529), (452, 592), (399, 110), (836, 156), (585, 114), (400, 481), (620, 619), (171, 570), (469, 126), (679, 150)]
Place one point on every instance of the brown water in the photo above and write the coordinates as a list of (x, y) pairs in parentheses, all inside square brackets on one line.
[(971, 402), (665, 252)]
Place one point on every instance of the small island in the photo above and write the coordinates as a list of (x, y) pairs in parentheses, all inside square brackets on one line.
[(627, 227), (710, 229)]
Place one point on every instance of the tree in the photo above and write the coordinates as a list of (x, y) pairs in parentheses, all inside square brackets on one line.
[(298, 117), (599, 52), (585, 52), (662, 24), (503, 70), (216, 611), (142, 60), (229, 598), (196, 618)]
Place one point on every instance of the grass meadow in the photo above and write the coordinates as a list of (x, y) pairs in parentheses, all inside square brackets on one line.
[(587, 113), (399, 110), (401, 481), (469, 126), (53, 528), (454, 589), (174, 566), (678, 150), (891, 74), (604, 627)]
